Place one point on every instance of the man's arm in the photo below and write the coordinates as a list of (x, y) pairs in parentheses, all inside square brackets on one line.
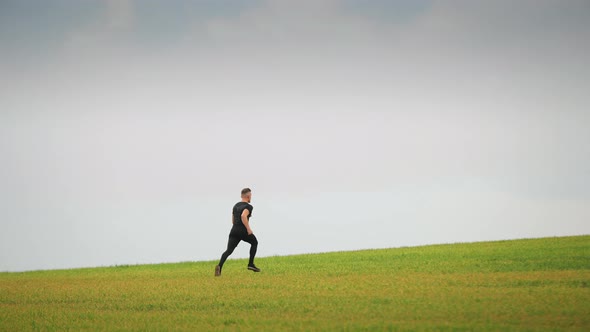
[(245, 221), (232, 218)]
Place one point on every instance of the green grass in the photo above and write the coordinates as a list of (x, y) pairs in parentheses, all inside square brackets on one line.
[(533, 284)]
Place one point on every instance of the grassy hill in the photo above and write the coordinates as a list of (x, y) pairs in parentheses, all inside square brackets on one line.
[(533, 284)]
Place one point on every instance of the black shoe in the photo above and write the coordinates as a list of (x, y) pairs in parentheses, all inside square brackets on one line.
[(217, 271), (253, 268)]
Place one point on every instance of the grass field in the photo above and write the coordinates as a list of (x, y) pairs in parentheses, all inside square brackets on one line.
[(534, 284)]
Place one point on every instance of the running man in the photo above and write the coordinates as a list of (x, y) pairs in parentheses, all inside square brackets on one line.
[(241, 231)]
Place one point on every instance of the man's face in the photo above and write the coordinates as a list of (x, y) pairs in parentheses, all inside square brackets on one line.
[(249, 197)]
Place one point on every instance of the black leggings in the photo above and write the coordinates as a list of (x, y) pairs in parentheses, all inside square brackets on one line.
[(235, 236)]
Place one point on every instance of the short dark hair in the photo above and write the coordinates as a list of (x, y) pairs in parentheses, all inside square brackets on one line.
[(245, 191)]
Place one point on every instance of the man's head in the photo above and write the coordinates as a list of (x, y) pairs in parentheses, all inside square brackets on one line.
[(246, 194)]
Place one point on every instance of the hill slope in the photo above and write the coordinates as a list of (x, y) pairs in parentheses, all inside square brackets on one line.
[(538, 284)]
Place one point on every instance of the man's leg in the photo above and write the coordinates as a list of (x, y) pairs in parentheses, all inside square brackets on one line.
[(232, 243), (253, 247)]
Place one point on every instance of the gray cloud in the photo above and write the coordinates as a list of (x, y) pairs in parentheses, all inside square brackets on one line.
[(451, 121)]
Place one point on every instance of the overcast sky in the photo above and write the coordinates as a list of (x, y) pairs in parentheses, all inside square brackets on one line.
[(128, 128)]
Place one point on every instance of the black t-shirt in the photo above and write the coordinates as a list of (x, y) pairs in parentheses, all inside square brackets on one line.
[(237, 212)]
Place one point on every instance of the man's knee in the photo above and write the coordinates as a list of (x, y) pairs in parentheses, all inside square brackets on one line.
[(230, 249), (253, 240)]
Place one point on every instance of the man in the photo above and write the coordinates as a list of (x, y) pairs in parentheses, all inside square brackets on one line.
[(241, 231)]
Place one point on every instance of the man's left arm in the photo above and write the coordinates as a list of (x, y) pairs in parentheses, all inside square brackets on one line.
[(246, 222)]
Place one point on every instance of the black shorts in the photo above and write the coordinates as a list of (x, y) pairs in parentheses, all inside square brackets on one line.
[(239, 232)]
